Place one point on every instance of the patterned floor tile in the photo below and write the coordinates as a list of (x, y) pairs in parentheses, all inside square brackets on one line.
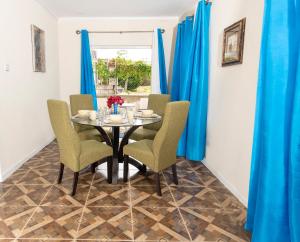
[(145, 196), (161, 224), (41, 164), (102, 240), (215, 224), (4, 188), (39, 177), (44, 240), (198, 197), (50, 223), (183, 165), (100, 178), (198, 166), (209, 179), (142, 179), (16, 176), (13, 219), (200, 206), (51, 156), (226, 198), (60, 196), (85, 178), (108, 196), (106, 224), (185, 178), (47, 158), (24, 195)]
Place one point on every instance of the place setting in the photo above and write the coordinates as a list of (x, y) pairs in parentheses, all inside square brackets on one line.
[(146, 114)]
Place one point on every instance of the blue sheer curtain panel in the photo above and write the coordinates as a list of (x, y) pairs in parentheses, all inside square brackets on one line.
[(162, 65), (274, 195), (191, 80), (87, 85)]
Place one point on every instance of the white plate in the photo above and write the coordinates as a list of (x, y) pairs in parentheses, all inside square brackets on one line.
[(108, 121), (140, 115)]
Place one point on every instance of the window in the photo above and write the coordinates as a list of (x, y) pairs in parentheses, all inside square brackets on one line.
[(122, 71)]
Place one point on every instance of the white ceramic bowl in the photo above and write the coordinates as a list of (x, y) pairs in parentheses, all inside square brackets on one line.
[(147, 113), (115, 118), (84, 113)]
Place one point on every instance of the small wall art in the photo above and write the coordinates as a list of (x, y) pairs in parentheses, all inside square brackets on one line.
[(233, 43), (38, 49)]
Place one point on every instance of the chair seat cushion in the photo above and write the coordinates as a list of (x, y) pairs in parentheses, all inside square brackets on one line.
[(143, 133), (92, 151), (141, 151), (82, 127), (93, 134), (90, 134)]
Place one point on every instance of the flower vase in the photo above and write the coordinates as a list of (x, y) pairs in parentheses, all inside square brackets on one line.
[(115, 110)]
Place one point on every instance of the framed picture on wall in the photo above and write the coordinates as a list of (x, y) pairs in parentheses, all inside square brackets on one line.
[(38, 49), (233, 43)]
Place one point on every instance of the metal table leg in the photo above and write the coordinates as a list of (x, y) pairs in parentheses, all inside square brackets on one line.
[(115, 146)]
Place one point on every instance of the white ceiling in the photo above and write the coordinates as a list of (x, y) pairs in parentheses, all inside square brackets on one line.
[(118, 8)]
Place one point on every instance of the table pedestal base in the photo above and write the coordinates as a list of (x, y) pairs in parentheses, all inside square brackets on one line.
[(118, 155)]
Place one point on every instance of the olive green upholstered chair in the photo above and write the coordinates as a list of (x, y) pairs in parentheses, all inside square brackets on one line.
[(84, 102), (160, 153), (74, 153), (156, 102)]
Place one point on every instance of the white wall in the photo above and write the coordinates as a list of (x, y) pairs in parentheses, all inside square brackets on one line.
[(24, 122), (69, 42), (232, 96)]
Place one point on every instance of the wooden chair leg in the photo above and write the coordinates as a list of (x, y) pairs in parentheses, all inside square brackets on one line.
[(125, 170), (158, 189), (174, 169), (93, 167), (61, 173), (75, 181), (144, 169), (146, 173), (109, 169)]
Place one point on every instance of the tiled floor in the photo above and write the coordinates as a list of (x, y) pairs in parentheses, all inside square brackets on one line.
[(34, 208)]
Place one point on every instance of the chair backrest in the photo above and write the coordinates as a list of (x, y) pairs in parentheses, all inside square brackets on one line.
[(67, 138), (166, 140), (81, 102), (158, 103)]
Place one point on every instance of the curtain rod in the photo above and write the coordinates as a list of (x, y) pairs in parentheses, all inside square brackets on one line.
[(119, 32)]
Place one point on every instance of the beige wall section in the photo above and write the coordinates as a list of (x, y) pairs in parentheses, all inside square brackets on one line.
[(232, 96), (69, 42), (24, 122)]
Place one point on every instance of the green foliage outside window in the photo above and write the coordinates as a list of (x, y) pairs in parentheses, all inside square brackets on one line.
[(130, 74)]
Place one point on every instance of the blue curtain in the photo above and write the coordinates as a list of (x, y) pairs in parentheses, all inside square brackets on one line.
[(182, 50), (87, 85), (192, 82), (175, 85), (181, 58), (274, 195), (162, 65)]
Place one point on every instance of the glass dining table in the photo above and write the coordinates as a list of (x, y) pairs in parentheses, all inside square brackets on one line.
[(115, 140)]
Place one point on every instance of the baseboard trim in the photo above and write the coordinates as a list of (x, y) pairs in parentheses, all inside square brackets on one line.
[(227, 184), (5, 174)]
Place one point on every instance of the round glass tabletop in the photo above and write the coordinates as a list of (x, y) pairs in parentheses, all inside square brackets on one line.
[(103, 122)]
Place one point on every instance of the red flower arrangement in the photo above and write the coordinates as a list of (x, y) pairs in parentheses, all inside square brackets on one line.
[(114, 99)]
